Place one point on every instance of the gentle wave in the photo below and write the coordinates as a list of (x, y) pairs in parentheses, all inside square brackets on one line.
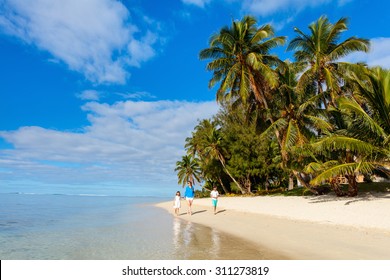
[(85, 194)]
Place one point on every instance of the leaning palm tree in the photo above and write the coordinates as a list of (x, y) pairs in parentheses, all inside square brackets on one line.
[(197, 144), (354, 156), (320, 52), (241, 62), (188, 170), (212, 148), (192, 145)]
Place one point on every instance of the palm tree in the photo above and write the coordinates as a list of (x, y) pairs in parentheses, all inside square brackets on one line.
[(207, 144), (212, 148), (373, 94), (297, 123), (192, 144), (364, 146), (210, 169), (320, 53), (353, 156), (241, 62), (188, 170)]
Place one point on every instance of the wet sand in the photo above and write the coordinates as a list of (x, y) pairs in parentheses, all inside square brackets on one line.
[(302, 228)]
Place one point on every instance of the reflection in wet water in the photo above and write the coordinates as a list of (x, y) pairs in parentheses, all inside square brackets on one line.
[(109, 228), (192, 241)]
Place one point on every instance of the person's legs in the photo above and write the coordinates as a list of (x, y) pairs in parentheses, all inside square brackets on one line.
[(191, 206), (215, 206), (189, 202)]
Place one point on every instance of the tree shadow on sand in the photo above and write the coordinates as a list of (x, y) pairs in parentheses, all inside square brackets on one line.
[(369, 196)]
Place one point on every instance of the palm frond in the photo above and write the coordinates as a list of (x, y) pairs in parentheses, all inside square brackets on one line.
[(343, 169), (337, 143), (348, 46), (270, 131), (336, 29), (290, 137), (317, 167), (320, 123), (350, 105)]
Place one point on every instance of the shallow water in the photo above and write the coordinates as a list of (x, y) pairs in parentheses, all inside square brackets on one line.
[(75, 227)]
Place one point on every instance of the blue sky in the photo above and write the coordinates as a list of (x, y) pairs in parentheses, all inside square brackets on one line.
[(98, 96)]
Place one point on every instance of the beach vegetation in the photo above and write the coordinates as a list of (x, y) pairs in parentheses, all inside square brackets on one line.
[(320, 52), (202, 193), (188, 170), (241, 61), (308, 126)]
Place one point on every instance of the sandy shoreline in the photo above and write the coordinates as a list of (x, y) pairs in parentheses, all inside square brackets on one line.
[(303, 228)]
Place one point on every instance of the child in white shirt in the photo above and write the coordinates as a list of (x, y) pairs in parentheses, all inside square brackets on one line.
[(177, 203), (214, 194)]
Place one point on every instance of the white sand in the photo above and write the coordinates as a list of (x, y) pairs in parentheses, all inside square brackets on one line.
[(320, 227)]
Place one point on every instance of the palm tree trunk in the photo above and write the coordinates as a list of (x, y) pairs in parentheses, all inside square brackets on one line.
[(230, 175), (291, 182), (222, 185), (266, 184), (352, 185), (307, 185), (258, 95), (260, 98), (248, 184), (336, 187), (320, 91)]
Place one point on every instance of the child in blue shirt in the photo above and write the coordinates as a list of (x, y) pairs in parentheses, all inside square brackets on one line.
[(189, 195)]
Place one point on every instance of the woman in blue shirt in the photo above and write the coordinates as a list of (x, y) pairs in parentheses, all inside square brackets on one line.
[(189, 195)]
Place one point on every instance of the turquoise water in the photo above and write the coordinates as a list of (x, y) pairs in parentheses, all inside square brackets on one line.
[(76, 227)]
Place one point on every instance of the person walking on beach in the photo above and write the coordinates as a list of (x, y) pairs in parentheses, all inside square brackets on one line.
[(177, 203), (189, 195), (214, 194)]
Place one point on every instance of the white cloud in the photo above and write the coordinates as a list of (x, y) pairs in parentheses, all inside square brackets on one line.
[(141, 50), (130, 142), (199, 3), (279, 25), (89, 94), (268, 7), (137, 95), (92, 37), (379, 54)]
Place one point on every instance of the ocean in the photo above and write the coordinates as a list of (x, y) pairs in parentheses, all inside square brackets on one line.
[(89, 227)]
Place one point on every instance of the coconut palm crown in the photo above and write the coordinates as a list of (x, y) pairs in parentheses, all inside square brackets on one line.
[(241, 62), (321, 52)]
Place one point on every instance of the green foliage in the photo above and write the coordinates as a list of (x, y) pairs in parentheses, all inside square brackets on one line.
[(188, 170), (202, 193), (241, 62), (311, 120), (321, 52)]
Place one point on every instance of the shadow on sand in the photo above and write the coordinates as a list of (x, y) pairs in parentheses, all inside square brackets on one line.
[(198, 212), (349, 200)]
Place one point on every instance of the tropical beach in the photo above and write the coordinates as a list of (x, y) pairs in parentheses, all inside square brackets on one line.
[(317, 126), (277, 110), (302, 228)]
